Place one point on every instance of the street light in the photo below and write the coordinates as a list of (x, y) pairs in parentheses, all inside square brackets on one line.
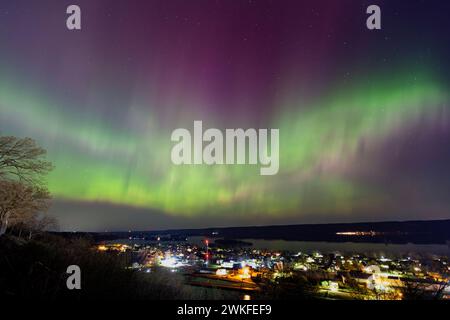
[(207, 250)]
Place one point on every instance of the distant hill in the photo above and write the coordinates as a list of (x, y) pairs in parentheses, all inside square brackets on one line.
[(419, 232)]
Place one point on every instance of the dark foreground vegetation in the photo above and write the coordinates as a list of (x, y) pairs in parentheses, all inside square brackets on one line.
[(37, 269)]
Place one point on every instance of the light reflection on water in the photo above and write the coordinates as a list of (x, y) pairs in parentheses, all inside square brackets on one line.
[(377, 249)]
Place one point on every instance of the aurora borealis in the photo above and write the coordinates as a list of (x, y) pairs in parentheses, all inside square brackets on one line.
[(364, 116)]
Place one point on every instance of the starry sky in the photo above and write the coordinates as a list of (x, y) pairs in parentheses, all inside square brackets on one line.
[(364, 116)]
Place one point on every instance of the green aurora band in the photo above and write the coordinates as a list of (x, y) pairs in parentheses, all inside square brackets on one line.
[(99, 163)]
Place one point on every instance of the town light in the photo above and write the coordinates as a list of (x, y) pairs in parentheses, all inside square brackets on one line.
[(221, 272)]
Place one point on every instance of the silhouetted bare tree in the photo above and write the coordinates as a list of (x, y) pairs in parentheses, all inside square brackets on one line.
[(23, 160), (20, 202), (23, 195)]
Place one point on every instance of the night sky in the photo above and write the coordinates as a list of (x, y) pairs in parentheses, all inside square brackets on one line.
[(364, 116)]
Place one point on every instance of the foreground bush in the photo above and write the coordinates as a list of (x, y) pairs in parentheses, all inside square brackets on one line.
[(37, 269)]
